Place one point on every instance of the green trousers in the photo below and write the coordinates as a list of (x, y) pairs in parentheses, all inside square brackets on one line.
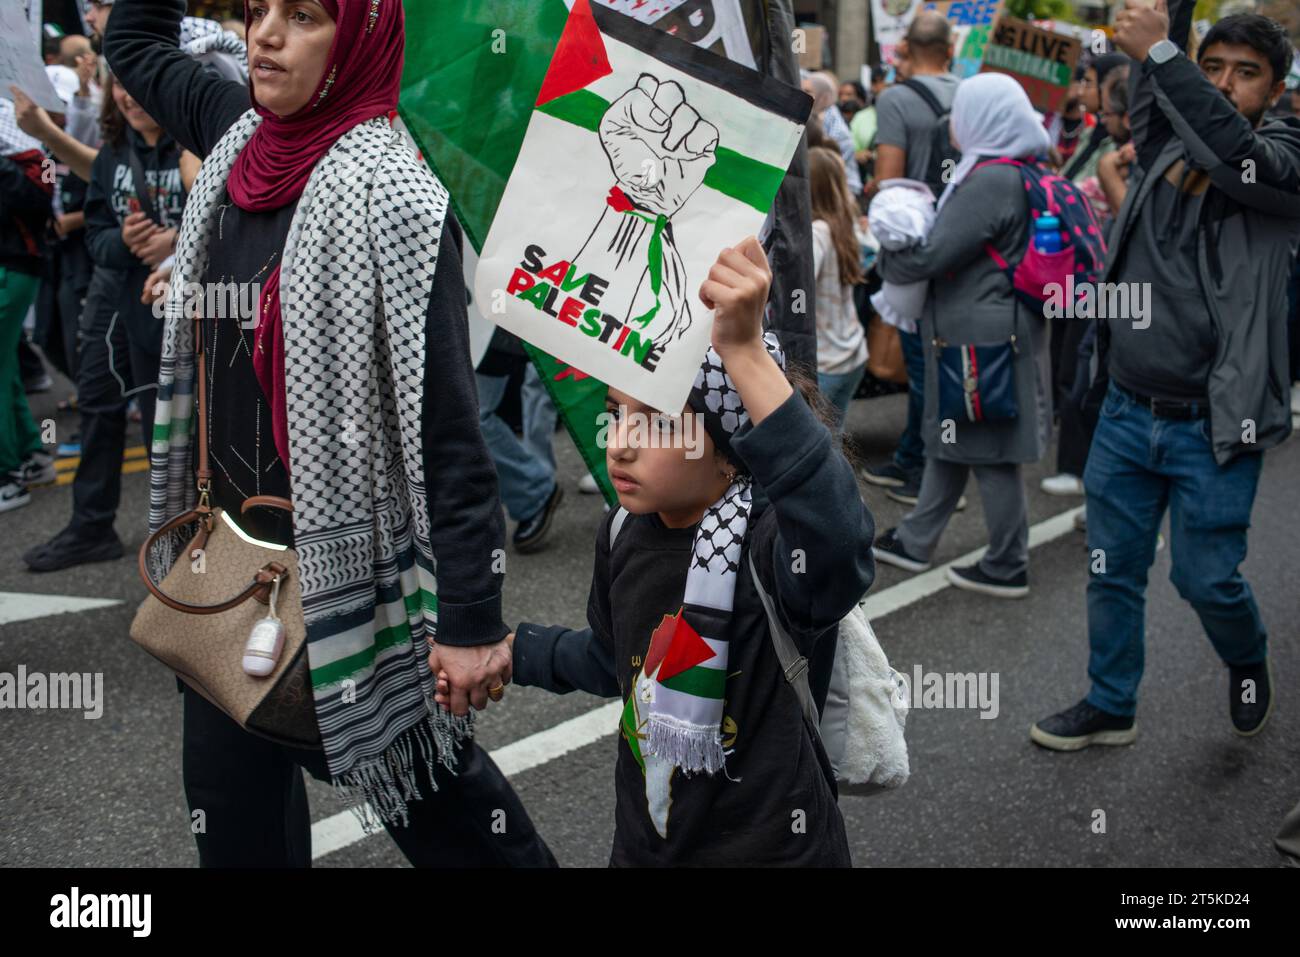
[(19, 437)]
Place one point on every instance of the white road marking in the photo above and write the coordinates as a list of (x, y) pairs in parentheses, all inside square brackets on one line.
[(16, 606), (343, 829), (936, 579)]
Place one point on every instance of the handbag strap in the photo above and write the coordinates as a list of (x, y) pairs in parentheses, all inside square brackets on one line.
[(259, 587)]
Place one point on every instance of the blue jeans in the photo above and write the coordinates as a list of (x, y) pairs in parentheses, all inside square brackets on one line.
[(910, 454), (1138, 465), (838, 387), (525, 470)]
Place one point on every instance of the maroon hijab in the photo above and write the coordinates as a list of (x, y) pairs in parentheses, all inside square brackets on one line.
[(362, 80)]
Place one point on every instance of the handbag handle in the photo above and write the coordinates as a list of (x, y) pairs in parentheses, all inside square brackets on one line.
[(259, 587)]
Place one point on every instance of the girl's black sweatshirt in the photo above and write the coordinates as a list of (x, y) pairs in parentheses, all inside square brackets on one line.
[(466, 522), (811, 542)]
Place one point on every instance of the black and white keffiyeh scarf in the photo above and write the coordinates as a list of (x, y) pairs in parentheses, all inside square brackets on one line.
[(358, 271)]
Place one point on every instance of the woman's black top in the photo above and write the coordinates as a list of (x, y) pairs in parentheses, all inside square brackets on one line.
[(467, 529)]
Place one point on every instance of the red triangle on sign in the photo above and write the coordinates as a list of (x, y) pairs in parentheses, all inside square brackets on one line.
[(687, 650), (580, 57)]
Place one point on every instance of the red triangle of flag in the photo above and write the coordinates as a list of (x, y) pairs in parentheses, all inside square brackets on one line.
[(660, 639), (687, 650), (580, 57)]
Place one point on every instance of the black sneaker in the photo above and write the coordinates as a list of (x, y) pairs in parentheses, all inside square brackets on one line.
[(66, 550), (889, 475), (531, 532), (973, 578), (13, 493), (905, 492), (38, 383), (39, 469), (908, 493), (889, 549), (1082, 726), (1249, 717)]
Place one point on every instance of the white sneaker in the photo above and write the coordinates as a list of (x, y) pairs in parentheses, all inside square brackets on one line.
[(13, 494), (39, 470), (1295, 398), (1063, 484), (587, 485)]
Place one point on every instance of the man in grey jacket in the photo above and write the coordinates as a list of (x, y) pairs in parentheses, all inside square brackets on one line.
[(1206, 234)]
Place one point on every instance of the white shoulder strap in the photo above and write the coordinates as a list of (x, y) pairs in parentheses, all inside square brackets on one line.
[(616, 525)]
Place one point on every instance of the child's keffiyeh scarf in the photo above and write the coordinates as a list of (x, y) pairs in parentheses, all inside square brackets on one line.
[(685, 673), (358, 270)]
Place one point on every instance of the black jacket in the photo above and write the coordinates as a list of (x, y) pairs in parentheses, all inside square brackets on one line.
[(24, 210), (113, 195), (812, 548), (1246, 235)]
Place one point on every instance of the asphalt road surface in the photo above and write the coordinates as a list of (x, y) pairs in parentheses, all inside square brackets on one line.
[(1189, 793)]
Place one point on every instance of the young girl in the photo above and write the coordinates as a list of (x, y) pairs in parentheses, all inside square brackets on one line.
[(716, 765), (841, 340)]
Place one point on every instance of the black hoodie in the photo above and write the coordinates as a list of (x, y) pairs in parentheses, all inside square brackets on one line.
[(112, 196)]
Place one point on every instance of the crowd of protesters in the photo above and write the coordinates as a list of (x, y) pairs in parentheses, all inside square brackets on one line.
[(920, 190)]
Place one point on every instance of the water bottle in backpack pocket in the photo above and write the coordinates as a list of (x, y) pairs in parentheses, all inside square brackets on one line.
[(1065, 238)]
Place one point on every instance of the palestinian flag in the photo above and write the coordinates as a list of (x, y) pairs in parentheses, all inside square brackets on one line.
[(473, 75)]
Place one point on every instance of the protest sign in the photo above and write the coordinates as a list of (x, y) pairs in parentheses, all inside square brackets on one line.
[(20, 58), (890, 20), (972, 24), (1042, 61), (644, 157), (717, 25)]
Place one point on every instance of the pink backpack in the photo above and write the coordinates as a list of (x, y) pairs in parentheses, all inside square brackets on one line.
[(1083, 250)]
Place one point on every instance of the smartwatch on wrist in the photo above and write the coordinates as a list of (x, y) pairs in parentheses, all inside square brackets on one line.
[(1162, 52)]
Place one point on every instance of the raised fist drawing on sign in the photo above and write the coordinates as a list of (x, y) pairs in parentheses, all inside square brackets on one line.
[(659, 149)]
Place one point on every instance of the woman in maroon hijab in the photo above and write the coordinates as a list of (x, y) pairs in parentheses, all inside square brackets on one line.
[(350, 392)]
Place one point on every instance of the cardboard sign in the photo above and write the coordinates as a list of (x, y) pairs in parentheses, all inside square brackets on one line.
[(645, 156), (972, 24), (1042, 61)]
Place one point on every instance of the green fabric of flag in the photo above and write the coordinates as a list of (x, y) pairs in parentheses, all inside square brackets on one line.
[(472, 77)]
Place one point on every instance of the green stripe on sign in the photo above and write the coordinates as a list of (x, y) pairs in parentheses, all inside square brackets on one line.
[(701, 682), (744, 179), (582, 108), (1018, 61)]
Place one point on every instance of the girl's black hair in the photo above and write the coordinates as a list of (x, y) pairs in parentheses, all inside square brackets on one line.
[(112, 124), (1263, 34)]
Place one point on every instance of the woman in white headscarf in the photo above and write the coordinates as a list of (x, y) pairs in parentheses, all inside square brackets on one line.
[(971, 302)]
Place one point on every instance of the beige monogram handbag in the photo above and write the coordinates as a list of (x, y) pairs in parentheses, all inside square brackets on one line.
[(226, 607)]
